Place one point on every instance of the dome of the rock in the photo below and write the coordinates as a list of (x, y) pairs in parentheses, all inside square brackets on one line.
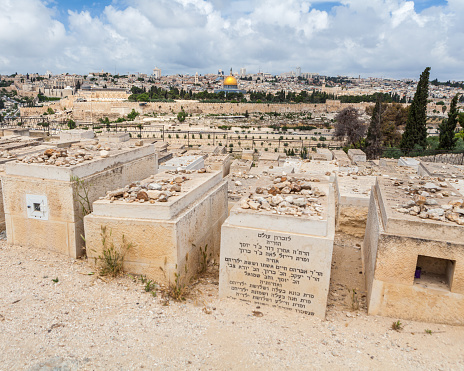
[(230, 81)]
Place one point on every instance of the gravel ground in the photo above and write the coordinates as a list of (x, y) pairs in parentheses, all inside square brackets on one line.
[(83, 322)]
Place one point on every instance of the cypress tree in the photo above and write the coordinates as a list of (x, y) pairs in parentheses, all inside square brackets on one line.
[(447, 127), (415, 132), (374, 132)]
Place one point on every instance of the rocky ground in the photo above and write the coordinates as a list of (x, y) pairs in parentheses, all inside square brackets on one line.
[(55, 314)]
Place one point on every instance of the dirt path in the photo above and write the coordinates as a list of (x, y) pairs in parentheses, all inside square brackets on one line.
[(82, 322)]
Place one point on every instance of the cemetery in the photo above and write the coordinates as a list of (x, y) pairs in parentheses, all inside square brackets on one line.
[(268, 222)]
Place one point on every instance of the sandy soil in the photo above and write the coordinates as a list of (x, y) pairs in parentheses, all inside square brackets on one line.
[(82, 322)]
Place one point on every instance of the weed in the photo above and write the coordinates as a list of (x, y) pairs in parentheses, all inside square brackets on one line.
[(397, 325), (150, 286), (112, 257), (55, 280), (81, 194), (177, 290), (354, 299), (427, 331), (204, 257)]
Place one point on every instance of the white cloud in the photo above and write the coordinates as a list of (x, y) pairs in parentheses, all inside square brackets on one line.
[(375, 37)]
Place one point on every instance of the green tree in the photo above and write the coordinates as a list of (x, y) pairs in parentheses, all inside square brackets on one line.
[(461, 119), (374, 132), (131, 116), (71, 124), (2, 105), (446, 139), (181, 116), (415, 132)]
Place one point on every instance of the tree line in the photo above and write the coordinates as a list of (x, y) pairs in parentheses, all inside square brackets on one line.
[(387, 118), (156, 94)]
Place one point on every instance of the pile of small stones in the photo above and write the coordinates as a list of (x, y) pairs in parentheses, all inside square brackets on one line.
[(59, 157), (152, 191), (423, 202), (77, 154), (287, 196), (6, 154)]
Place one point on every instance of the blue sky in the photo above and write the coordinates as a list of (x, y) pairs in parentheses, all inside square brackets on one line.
[(392, 38)]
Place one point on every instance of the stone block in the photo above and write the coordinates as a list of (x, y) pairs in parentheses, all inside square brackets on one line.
[(114, 137), (325, 152), (414, 266), (341, 158), (356, 155), (408, 162), (167, 238), (77, 134), (62, 228), (269, 257), (352, 194), (219, 162), (240, 166), (184, 163)]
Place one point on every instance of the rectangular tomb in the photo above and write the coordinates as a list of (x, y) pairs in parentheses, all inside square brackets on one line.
[(413, 250), (438, 169), (325, 153), (240, 166), (172, 220), (219, 162), (46, 195), (276, 245), (184, 163), (352, 194), (76, 134), (341, 158), (356, 155), (408, 162)]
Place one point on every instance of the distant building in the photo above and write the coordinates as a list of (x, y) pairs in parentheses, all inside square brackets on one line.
[(196, 78), (298, 71), (242, 72), (230, 85), (157, 73)]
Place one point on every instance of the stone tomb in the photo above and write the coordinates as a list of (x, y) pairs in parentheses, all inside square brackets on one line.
[(438, 169), (168, 219), (114, 137), (240, 166), (76, 134), (352, 194), (277, 250), (356, 155), (413, 251), (184, 163), (43, 199), (325, 153), (219, 162), (341, 158), (409, 162), (271, 159)]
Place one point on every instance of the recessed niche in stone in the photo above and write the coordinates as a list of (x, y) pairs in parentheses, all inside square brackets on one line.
[(434, 272)]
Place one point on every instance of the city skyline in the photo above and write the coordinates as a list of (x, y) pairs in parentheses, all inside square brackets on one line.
[(384, 38)]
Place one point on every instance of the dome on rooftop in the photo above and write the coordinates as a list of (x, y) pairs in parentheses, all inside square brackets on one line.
[(230, 81)]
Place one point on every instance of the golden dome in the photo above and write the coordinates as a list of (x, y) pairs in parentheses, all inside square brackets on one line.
[(230, 80)]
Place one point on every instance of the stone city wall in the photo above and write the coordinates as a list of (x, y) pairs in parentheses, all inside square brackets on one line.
[(84, 110)]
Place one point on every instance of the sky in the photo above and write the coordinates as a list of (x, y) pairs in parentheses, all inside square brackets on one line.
[(371, 38)]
